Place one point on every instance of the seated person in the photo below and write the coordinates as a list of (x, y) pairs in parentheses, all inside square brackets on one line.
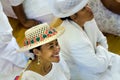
[(41, 40), (11, 62), (107, 15), (28, 12), (83, 46)]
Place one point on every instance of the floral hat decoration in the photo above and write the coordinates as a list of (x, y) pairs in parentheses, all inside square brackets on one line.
[(39, 35)]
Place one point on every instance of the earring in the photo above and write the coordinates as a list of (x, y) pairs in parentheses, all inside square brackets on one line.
[(38, 63)]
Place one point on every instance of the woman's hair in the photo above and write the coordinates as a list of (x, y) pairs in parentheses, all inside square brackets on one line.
[(31, 50), (66, 18)]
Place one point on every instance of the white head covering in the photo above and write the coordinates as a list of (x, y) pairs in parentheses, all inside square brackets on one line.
[(65, 8)]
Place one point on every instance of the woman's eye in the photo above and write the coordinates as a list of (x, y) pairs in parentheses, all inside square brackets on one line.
[(51, 47), (56, 44), (83, 8)]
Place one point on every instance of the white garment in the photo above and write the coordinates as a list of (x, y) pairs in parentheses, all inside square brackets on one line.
[(107, 21), (34, 9), (85, 60), (59, 71), (10, 60)]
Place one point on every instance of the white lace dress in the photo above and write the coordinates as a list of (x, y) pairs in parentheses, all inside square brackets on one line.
[(107, 21)]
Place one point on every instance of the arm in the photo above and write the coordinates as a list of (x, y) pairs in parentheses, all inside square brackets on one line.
[(95, 62), (94, 34), (19, 11), (101, 39)]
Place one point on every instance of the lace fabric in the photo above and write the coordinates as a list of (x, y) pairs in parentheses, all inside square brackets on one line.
[(107, 21)]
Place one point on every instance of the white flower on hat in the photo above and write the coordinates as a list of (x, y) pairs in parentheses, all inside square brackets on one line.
[(65, 8)]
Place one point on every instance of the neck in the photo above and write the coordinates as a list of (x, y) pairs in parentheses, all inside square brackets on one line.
[(81, 24), (43, 68)]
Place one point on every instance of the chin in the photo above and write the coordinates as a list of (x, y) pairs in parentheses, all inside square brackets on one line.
[(56, 61), (91, 17)]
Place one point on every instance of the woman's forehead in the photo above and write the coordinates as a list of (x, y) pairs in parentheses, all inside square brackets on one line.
[(50, 43)]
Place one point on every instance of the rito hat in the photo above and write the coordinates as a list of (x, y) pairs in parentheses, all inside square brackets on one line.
[(65, 8), (39, 35)]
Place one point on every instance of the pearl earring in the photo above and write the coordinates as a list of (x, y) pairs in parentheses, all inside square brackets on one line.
[(38, 63)]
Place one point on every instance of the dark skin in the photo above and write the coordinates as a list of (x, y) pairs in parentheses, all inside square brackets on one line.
[(112, 5), (47, 53), (27, 23), (82, 16)]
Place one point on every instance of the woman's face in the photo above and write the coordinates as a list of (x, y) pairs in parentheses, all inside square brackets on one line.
[(83, 15), (50, 51)]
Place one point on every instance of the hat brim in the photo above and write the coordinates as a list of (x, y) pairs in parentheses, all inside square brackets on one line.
[(59, 30), (57, 12)]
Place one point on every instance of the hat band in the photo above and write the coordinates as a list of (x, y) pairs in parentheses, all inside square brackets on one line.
[(41, 37)]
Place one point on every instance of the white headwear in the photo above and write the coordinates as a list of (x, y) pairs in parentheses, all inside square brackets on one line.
[(65, 8)]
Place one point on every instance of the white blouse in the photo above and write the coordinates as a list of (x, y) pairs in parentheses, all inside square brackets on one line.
[(59, 71)]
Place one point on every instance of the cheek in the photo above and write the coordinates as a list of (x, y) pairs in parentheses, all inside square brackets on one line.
[(48, 55)]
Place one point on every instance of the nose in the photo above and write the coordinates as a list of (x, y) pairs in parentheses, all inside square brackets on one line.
[(88, 8), (57, 48)]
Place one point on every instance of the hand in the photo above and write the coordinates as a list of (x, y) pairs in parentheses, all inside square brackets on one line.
[(30, 23)]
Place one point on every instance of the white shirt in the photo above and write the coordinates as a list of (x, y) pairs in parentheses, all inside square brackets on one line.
[(86, 60)]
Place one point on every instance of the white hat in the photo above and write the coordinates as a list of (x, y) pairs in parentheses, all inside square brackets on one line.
[(39, 35), (65, 8)]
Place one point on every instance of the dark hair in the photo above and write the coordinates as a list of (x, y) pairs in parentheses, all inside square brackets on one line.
[(31, 50), (68, 18)]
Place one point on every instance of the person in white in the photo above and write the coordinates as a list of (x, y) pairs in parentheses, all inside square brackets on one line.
[(29, 12), (41, 40), (83, 45), (11, 62), (107, 15)]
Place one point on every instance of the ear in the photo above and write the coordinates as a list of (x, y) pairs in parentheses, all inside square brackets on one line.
[(37, 52)]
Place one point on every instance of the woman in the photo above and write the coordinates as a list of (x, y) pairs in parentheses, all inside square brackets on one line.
[(107, 15), (29, 13), (83, 45), (41, 40)]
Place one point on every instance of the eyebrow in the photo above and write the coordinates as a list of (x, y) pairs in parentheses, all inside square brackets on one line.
[(50, 44)]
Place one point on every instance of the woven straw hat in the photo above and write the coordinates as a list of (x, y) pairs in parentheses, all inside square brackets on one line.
[(39, 35), (65, 8)]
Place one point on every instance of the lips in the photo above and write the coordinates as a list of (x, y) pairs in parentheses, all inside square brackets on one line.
[(57, 55), (56, 58)]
